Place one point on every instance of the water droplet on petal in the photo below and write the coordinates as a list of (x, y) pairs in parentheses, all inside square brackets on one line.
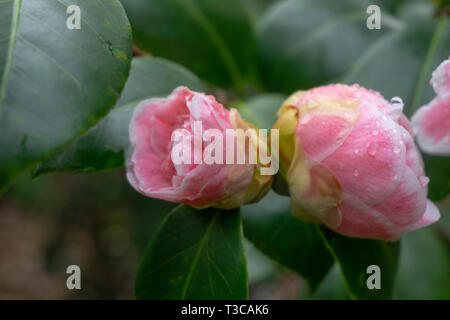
[(397, 101), (397, 150), (372, 149), (424, 180), (356, 151), (375, 132), (356, 173)]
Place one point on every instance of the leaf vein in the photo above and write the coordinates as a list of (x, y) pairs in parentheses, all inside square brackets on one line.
[(197, 257), (13, 36)]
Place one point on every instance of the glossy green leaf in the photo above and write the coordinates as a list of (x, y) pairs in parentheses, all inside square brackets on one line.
[(415, 9), (213, 38), (156, 77), (437, 169), (443, 225), (298, 245), (195, 255), (331, 288), (355, 255), (104, 146), (261, 110), (424, 267), (302, 44), (56, 82), (395, 5), (259, 266)]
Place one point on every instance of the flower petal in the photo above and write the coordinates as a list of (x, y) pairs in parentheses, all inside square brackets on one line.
[(431, 123)]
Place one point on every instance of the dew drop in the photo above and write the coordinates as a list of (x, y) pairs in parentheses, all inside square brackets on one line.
[(424, 180), (375, 132), (372, 149), (356, 173), (356, 151), (397, 150), (397, 101)]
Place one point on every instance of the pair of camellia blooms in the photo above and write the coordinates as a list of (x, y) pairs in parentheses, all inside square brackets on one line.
[(347, 157)]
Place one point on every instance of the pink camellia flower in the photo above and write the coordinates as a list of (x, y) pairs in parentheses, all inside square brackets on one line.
[(150, 166), (349, 161), (431, 123)]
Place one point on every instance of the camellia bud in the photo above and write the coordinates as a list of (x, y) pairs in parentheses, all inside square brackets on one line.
[(349, 161), (188, 148), (431, 122)]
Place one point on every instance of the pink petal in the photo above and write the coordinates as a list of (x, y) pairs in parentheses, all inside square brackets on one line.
[(362, 221), (369, 163), (440, 79), (430, 216), (405, 205), (322, 135), (431, 124)]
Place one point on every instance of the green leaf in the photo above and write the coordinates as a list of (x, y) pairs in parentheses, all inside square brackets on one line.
[(55, 82), (443, 225), (213, 38), (261, 110), (415, 9), (195, 255), (156, 77), (395, 5), (302, 44), (103, 147), (298, 245), (424, 267), (437, 169), (259, 266), (355, 255), (331, 288)]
